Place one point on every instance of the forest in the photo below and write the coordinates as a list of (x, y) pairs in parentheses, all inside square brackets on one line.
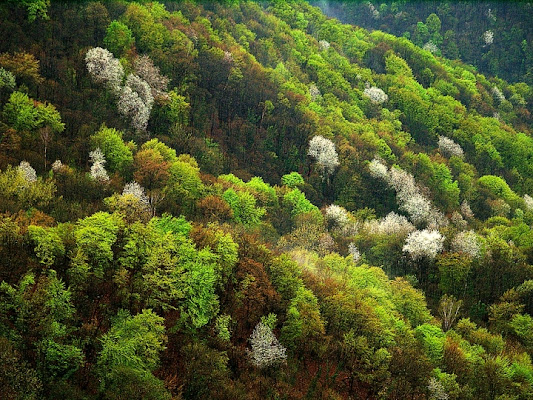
[(257, 200)]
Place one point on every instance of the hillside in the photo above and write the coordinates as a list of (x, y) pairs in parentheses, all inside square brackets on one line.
[(251, 200), (495, 36)]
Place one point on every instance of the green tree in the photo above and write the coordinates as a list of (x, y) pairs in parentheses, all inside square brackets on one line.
[(131, 348), (127, 383), (184, 185), (17, 379), (303, 330), (95, 236), (292, 180), (24, 114), (133, 341), (16, 192), (41, 311), (49, 244), (35, 8), (118, 38), (243, 205), (118, 154), (410, 302)]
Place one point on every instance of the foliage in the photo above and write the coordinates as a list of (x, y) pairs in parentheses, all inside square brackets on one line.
[(22, 113), (133, 341), (7, 80), (292, 180), (409, 210), (243, 206), (118, 38)]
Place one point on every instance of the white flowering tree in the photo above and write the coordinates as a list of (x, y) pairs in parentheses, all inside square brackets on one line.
[(132, 105), (418, 207), (266, 349), (497, 94), (323, 45), (104, 68), (27, 171), (373, 10), (314, 92), (337, 216), (137, 191), (7, 80), (323, 151), (467, 242), (135, 97), (378, 169), (488, 37), (436, 390), (142, 88), (431, 47), (467, 211), (528, 201), (408, 194), (403, 182), (98, 171), (423, 244), (57, 165), (376, 95), (145, 69), (392, 224), (449, 148), (354, 252)]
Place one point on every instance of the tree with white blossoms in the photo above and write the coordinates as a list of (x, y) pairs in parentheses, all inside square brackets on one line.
[(466, 210), (488, 37), (137, 191), (449, 148), (467, 242), (431, 47), (323, 44), (104, 68), (57, 165), (314, 92), (528, 201), (98, 171), (354, 252), (392, 224), (423, 244), (142, 88), (145, 69), (7, 80), (412, 201), (403, 182), (337, 216), (376, 95), (323, 150), (418, 207), (378, 169), (266, 349), (457, 219), (136, 96), (27, 171), (436, 390), (497, 94), (408, 194), (136, 102), (373, 10)]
